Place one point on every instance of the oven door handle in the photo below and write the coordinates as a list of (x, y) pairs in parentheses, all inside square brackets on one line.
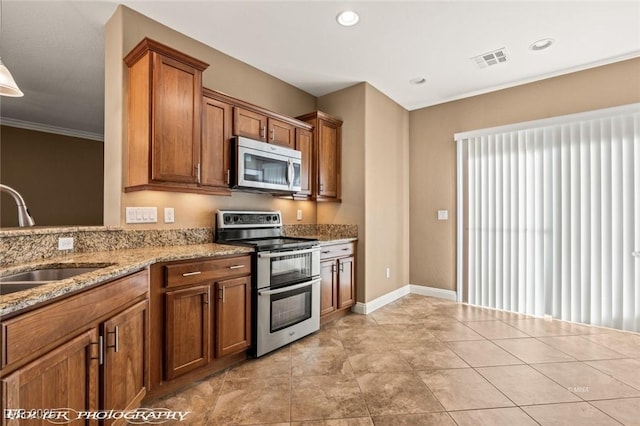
[(288, 252), (289, 288)]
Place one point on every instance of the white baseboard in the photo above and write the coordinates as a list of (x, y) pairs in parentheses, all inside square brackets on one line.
[(440, 293), (367, 308)]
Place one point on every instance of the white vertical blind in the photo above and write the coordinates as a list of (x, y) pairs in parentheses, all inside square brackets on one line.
[(548, 217)]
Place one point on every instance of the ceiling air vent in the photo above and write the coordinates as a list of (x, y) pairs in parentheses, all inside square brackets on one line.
[(488, 59)]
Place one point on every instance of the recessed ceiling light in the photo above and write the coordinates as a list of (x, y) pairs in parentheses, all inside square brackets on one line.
[(347, 18), (418, 80), (541, 44)]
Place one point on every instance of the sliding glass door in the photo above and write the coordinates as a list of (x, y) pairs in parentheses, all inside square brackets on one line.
[(548, 217)]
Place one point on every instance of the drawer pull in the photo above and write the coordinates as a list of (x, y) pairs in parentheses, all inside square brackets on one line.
[(189, 274), (237, 266), (325, 252), (346, 249)]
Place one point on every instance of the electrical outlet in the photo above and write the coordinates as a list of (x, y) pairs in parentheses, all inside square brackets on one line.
[(169, 215), (299, 214), (388, 273), (65, 243), (443, 214), (141, 215)]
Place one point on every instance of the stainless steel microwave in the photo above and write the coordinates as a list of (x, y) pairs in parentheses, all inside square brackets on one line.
[(265, 167)]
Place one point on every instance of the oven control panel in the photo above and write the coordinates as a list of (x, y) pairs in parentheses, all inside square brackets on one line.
[(248, 219)]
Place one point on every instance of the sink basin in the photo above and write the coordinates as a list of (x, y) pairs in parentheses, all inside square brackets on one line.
[(48, 274), (30, 279), (8, 288)]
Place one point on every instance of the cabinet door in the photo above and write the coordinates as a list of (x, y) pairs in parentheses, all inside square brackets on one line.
[(346, 291), (282, 133), (187, 330), (328, 287), (177, 96), (249, 124), (66, 377), (304, 144), (328, 159), (216, 132), (233, 315), (125, 374)]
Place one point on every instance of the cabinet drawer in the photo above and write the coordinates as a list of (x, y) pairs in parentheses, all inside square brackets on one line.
[(32, 331), (336, 250), (208, 270)]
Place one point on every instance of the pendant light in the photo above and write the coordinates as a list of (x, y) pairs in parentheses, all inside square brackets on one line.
[(8, 86)]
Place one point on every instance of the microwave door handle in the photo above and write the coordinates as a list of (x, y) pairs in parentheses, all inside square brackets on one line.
[(290, 173)]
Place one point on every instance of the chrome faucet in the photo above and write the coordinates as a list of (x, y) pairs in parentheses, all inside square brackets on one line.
[(24, 218)]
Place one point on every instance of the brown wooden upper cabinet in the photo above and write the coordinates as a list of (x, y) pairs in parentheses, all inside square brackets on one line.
[(326, 164), (254, 125), (304, 144), (217, 122), (164, 127)]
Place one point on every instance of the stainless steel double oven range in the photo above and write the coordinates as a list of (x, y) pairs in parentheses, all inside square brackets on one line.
[(286, 280)]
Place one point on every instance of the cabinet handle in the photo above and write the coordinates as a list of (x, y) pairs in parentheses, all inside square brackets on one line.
[(100, 344), (322, 187), (189, 274), (273, 134), (263, 132), (228, 176), (325, 252), (116, 337), (341, 267), (198, 172), (345, 249), (236, 267), (222, 294), (333, 268), (206, 298)]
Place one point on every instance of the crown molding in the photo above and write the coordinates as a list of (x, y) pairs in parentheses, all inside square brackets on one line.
[(38, 127)]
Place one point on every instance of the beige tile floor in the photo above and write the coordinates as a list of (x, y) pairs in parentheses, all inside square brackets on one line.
[(426, 361)]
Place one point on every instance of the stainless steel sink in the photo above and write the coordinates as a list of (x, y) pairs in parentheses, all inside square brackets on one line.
[(30, 279), (8, 288), (48, 274)]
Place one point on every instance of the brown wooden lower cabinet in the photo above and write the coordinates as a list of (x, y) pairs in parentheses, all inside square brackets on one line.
[(201, 319), (66, 377), (233, 315), (87, 352), (126, 346), (338, 280), (187, 331), (328, 287)]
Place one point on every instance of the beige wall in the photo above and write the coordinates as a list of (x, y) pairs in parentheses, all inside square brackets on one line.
[(433, 152), (59, 177), (375, 185), (349, 106), (386, 194), (226, 74)]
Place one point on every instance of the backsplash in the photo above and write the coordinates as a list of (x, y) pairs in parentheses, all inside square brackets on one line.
[(322, 230), (27, 245), (33, 244)]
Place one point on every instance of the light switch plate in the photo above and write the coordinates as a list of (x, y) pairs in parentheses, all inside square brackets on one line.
[(443, 214), (169, 215), (299, 214), (141, 215)]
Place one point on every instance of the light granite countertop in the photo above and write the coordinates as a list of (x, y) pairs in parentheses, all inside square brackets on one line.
[(116, 264), (331, 239)]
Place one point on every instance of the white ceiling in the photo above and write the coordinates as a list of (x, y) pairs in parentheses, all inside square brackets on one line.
[(54, 49)]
